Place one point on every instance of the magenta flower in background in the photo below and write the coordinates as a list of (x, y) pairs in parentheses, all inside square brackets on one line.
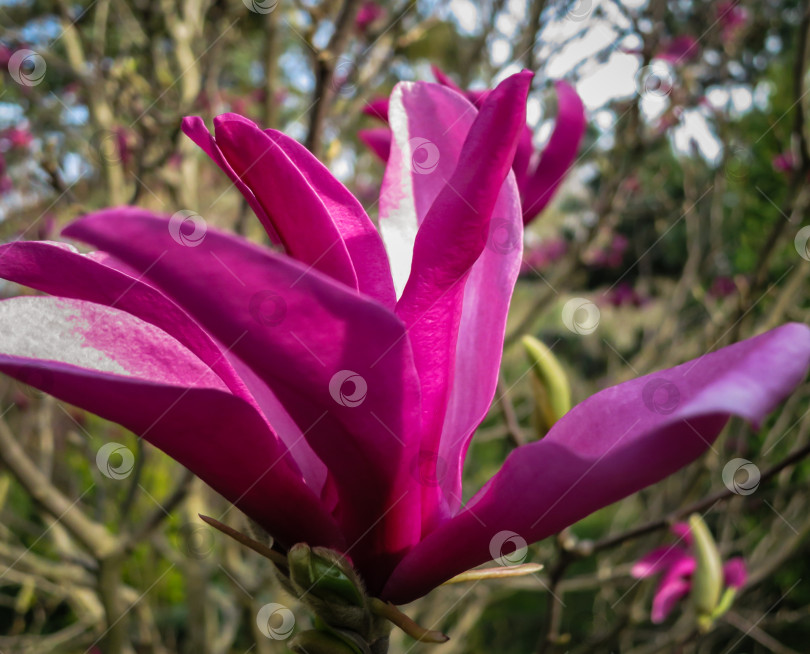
[(732, 17), (367, 15), (543, 254), (5, 180), (538, 174), (330, 391), (679, 50), (676, 565), (15, 138)]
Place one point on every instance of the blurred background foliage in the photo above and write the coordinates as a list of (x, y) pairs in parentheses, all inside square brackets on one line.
[(678, 221)]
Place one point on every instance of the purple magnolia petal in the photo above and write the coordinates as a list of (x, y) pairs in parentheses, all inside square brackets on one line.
[(735, 572), (286, 196), (377, 108), (558, 155), (338, 361), (609, 446), (445, 80), (523, 157), (58, 269), (658, 560), (667, 595), (457, 229), (378, 139), (195, 129), (128, 371), (362, 239)]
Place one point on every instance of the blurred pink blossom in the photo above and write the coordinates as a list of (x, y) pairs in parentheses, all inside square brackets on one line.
[(732, 18), (679, 50), (677, 564), (543, 254), (367, 15)]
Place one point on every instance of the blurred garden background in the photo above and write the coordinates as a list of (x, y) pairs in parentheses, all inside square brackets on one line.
[(681, 227)]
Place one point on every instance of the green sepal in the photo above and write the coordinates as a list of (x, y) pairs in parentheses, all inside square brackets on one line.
[(325, 573)]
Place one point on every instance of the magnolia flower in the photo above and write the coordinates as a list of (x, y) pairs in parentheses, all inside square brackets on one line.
[(679, 50), (330, 391), (538, 174), (676, 565)]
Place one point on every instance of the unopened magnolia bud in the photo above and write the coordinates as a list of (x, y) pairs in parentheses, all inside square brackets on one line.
[(552, 392), (707, 580)]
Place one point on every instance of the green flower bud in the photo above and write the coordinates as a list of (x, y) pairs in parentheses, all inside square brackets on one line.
[(707, 580), (552, 392)]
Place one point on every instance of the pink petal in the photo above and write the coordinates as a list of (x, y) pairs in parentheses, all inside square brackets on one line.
[(608, 447), (454, 234), (58, 269), (445, 80), (316, 331), (378, 139), (558, 156), (287, 196), (682, 530), (666, 597), (195, 129), (735, 572), (362, 239), (133, 373), (377, 108), (658, 560)]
